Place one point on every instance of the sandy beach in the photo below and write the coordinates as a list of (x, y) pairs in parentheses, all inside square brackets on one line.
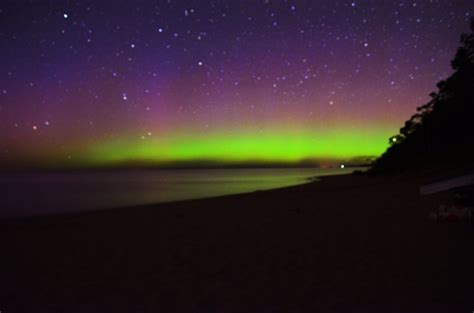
[(344, 244)]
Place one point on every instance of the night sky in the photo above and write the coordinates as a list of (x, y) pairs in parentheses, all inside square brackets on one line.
[(101, 82)]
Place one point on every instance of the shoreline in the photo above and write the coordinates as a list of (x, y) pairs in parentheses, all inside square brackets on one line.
[(343, 243), (158, 191), (158, 205)]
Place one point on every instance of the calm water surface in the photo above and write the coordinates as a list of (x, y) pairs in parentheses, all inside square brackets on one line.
[(24, 194)]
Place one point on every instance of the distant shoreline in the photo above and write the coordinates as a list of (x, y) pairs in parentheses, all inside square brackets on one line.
[(147, 168)]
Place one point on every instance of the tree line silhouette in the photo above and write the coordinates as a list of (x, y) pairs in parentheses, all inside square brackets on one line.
[(442, 130)]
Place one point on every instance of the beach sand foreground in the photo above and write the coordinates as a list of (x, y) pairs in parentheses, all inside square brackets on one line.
[(344, 244)]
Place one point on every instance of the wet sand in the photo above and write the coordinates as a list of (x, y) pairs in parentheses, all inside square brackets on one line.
[(344, 244)]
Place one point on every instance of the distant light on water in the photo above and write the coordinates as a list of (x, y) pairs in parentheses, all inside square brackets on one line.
[(342, 166)]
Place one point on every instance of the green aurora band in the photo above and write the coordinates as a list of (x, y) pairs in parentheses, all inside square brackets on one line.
[(288, 147)]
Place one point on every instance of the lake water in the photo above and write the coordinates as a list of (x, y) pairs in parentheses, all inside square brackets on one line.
[(26, 194)]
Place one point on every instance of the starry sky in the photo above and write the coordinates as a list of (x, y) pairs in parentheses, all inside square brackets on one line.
[(106, 82)]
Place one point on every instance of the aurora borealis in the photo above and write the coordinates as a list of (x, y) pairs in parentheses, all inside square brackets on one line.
[(98, 83)]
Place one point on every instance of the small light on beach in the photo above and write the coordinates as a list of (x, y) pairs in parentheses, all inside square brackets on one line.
[(342, 166)]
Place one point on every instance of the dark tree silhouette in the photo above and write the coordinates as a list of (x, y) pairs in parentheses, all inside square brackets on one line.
[(442, 130)]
